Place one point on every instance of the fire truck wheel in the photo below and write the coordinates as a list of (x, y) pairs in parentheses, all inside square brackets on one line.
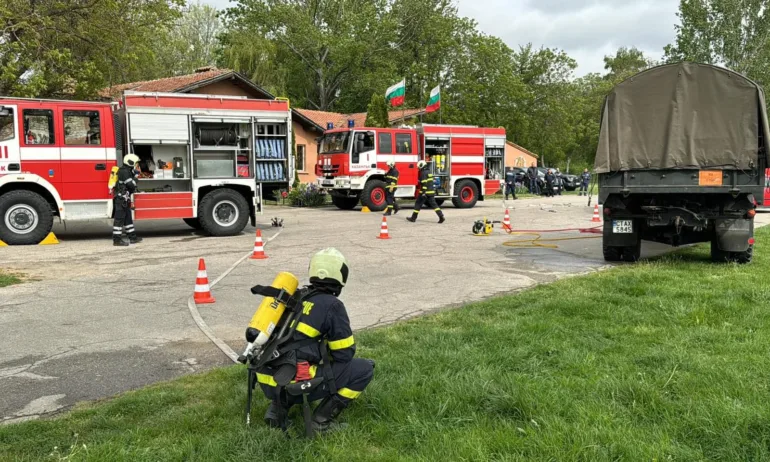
[(193, 223), (223, 212), (373, 195), (467, 194), (25, 218), (344, 203)]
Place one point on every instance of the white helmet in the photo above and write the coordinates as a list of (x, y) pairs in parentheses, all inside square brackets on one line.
[(330, 264), (131, 160), (391, 163), (421, 164)]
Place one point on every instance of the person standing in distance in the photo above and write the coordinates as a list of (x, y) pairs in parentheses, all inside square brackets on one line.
[(391, 178), (585, 179), (532, 175), (124, 189), (427, 193), (510, 184)]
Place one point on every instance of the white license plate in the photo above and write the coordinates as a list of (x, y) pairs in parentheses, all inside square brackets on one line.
[(622, 226), (328, 182)]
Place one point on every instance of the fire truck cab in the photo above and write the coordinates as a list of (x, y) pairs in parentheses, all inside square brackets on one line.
[(203, 159), (466, 161)]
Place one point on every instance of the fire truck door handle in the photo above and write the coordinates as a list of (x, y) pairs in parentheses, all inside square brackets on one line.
[(101, 167), (411, 165), (14, 167)]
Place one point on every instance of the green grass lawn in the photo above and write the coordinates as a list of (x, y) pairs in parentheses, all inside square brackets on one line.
[(662, 360), (7, 279)]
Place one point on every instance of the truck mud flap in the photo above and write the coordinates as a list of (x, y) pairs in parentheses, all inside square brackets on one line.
[(613, 238), (732, 234)]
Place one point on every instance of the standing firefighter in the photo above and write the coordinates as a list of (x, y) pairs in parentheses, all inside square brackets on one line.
[(510, 183), (585, 179), (427, 193), (390, 190), (124, 188), (321, 346)]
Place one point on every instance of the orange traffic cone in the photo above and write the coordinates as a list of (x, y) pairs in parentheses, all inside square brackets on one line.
[(384, 229), (506, 221), (202, 291), (259, 249), (596, 218)]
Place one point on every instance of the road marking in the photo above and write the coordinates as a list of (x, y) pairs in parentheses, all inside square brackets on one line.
[(199, 320)]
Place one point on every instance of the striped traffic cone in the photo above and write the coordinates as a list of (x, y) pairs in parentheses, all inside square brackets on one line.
[(259, 249), (506, 221), (384, 229), (202, 291), (596, 218)]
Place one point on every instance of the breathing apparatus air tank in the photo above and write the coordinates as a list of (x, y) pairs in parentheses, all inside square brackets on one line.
[(269, 312)]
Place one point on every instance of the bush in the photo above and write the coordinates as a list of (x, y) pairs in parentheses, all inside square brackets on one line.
[(307, 196)]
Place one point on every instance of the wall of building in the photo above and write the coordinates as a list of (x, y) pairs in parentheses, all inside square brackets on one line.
[(225, 88), (515, 157), (304, 137)]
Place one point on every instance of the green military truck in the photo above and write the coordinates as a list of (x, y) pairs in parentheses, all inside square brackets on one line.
[(681, 159)]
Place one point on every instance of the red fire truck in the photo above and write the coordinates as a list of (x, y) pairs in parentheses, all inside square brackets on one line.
[(204, 159), (466, 161)]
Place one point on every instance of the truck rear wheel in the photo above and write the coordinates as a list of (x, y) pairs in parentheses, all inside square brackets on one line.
[(344, 203), (25, 218), (373, 195), (722, 256), (223, 212), (467, 194)]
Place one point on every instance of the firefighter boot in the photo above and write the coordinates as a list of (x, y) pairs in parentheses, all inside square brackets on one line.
[(388, 212), (413, 218), (326, 412), (134, 239), (277, 416), (395, 207), (118, 241), (440, 214)]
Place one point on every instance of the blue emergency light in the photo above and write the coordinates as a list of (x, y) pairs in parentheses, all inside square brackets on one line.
[(351, 123), (329, 125)]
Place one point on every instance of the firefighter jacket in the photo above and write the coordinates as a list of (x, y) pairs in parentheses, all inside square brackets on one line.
[(426, 182), (324, 317), (126, 185), (391, 178), (510, 177)]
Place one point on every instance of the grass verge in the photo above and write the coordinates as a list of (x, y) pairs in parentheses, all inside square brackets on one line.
[(662, 360), (7, 279)]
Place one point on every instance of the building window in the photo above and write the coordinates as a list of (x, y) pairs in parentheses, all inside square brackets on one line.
[(386, 143), (299, 161), (7, 128), (82, 128), (38, 126), (403, 143)]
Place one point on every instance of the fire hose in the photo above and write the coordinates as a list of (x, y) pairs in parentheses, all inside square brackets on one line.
[(539, 242)]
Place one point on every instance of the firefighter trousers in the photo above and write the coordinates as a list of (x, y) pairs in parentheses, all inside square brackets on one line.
[(426, 199), (350, 378), (390, 198), (123, 219), (510, 189)]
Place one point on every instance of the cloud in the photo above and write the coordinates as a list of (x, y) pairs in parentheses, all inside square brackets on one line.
[(586, 29)]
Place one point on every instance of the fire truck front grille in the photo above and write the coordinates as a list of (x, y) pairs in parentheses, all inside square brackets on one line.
[(327, 169)]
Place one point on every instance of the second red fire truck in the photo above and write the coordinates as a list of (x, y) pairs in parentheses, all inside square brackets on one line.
[(467, 163)]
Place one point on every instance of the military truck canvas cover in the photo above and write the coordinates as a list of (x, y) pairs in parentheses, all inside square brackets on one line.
[(682, 116)]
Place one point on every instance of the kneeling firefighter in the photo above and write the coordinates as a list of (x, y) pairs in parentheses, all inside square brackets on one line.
[(311, 355)]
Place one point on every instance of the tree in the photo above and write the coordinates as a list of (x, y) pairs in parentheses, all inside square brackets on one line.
[(321, 43), (377, 112), (625, 63), (56, 48), (733, 33), (192, 41)]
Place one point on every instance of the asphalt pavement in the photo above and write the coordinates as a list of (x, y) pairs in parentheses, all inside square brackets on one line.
[(96, 320)]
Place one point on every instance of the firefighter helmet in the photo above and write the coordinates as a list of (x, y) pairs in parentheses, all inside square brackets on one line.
[(421, 164), (391, 163), (329, 263), (131, 160)]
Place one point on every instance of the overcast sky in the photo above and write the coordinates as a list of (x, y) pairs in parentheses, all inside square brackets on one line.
[(586, 29)]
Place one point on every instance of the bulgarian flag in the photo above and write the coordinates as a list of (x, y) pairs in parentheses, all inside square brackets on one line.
[(395, 94), (434, 103)]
